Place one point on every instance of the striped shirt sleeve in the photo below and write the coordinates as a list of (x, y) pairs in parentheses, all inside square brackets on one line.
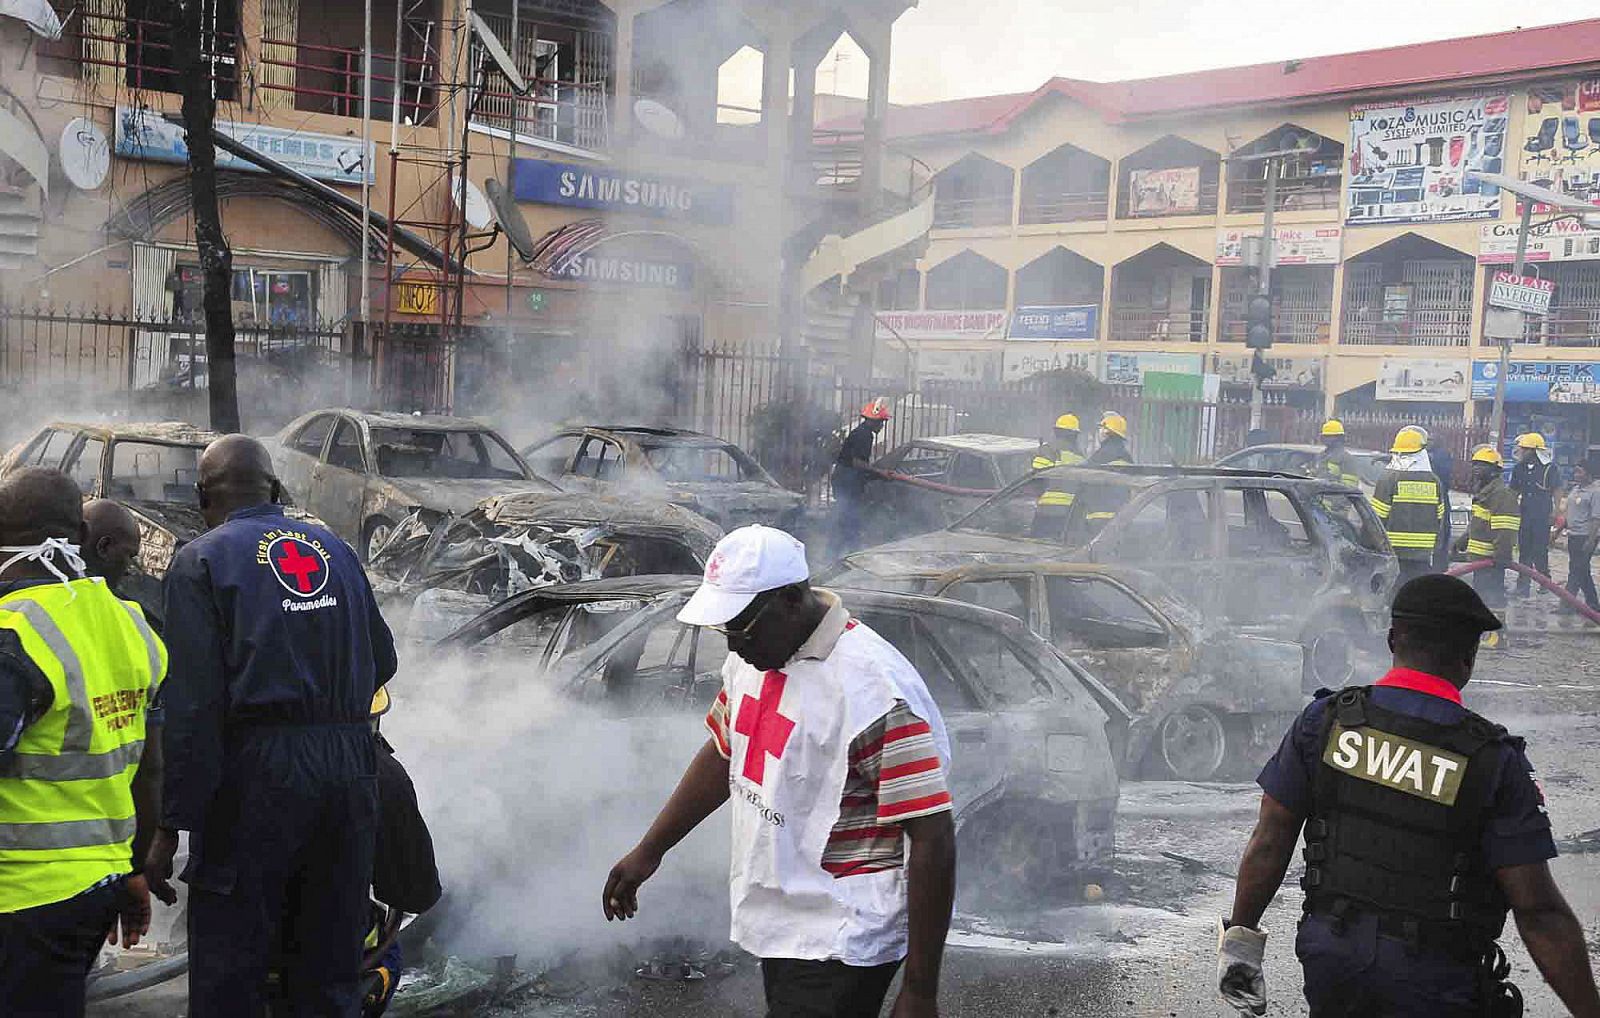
[(897, 753), (717, 724)]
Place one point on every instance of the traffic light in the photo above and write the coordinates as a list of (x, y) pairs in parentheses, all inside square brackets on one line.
[(1258, 323), (1262, 368)]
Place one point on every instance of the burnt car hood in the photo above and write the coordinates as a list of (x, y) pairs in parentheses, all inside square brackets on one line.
[(457, 495), (183, 521), (943, 550), (746, 498)]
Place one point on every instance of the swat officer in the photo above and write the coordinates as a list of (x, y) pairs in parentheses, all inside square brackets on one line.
[(1335, 462), (1423, 826), (277, 648), (1408, 501)]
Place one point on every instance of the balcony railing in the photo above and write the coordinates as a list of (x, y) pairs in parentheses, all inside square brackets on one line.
[(1149, 325), (1317, 192), (140, 52), (962, 213), (328, 79), (1564, 327), (1065, 207), (1450, 326), (564, 112), (1288, 326)]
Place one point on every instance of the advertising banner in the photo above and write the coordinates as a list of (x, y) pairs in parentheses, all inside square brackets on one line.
[(597, 187), (1079, 322), (142, 134), (1294, 374), (1292, 245), (1409, 161), (1560, 240), (1424, 379), (1173, 192), (958, 365), (1521, 293), (1027, 359), (1539, 381), (1561, 149), (941, 324), (1129, 368), (621, 270)]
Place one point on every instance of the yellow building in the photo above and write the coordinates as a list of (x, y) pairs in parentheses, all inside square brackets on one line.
[(1110, 225), (659, 213)]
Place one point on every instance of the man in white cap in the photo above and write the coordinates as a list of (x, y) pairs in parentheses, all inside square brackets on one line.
[(835, 757)]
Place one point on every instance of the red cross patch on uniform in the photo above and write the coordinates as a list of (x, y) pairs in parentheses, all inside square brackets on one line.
[(301, 567)]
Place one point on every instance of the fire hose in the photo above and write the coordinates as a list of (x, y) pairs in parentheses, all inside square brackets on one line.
[(943, 489), (1463, 568)]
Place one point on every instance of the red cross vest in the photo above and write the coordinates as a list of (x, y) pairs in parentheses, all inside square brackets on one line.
[(789, 735)]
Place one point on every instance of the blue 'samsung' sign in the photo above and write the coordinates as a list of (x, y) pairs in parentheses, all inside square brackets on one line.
[(600, 187), (621, 270), (1072, 321), (1539, 381)]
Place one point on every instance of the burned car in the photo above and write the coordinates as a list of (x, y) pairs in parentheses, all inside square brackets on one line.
[(1266, 555), (511, 543), (1206, 702), (713, 477), (364, 472), (1033, 776), (929, 483)]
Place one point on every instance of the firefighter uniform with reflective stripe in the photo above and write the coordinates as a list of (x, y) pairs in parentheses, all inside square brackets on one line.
[(1496, 519), (1338, 466), (1411, 507), (66, 799), (1411, 803), (1056, 497)]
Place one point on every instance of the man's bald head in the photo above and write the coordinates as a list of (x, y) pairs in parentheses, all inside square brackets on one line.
[(235, 473), (111, 539), (37, 503)]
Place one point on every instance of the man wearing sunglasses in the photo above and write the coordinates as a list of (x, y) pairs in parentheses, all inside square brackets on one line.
[(836, 759)]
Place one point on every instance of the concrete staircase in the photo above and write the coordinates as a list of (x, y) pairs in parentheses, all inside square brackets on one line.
[(19, 228)]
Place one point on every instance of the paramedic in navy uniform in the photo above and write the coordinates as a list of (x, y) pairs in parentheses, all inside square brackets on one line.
[(1423, 827), (277, 647)]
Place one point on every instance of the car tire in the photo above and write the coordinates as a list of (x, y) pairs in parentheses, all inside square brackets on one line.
[(1194, 743), (1012, 853), (374, 533), (1333, 650)]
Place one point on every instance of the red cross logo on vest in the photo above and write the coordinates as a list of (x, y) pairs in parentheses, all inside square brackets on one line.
[(767, 730), (301, 567)]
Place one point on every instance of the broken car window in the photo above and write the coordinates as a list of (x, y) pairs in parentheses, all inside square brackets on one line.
[(554, 457), (1012, 513), (49, 448), (1088, 613), (312, 437), (345, 452), (85, 467), (686, 464), (418, 452), (1006, 594), (1349, 516), (1174, 526), (987, 656), (973, 471), (912, 640), (152, 472), (928, 464)]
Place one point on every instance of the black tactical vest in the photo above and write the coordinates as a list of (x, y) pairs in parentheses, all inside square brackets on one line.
[(1396, 828)]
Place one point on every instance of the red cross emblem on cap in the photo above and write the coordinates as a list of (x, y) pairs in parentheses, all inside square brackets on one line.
[(767, 730), (714, 569)]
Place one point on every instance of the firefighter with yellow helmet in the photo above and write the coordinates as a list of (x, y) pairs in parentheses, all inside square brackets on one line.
[(1335, 462), (1050, 512), (1409, 500), (1113, 448), (1492, 532)]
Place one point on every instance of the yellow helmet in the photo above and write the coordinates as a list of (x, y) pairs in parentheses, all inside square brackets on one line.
[(1067, 422), (1331, 428), (380, 703), (1487, 454), (1406, 440), (1531, 440), (1116, 424)]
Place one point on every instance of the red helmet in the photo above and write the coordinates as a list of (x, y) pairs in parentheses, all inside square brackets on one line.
[(877, 410)]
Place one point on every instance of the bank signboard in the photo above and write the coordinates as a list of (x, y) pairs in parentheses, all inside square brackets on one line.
[(1079, 322), (941, 324), (616, 190), (1539, 381), (143, 134), (1409, 161)]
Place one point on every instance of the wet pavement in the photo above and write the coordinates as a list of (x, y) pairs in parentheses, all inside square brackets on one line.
[(1148, 948)]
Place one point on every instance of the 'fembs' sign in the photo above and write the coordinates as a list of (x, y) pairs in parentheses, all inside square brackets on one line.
[(142, 134), (601, 187)]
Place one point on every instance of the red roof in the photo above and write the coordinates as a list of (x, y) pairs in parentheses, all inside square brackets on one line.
[(1436, 65)]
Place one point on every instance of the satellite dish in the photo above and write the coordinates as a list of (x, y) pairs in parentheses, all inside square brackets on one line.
[(658, 119), (84, 153), (497, 53), (509, 218), (479, 216)]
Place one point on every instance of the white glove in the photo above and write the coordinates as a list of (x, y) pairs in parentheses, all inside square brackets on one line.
[(1240, 978)]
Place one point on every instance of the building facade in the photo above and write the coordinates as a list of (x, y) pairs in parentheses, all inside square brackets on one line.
[(1114, 226)]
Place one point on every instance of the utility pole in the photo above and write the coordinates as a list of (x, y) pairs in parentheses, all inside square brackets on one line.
[(1260, 371), (1497, 420), (192, 45)]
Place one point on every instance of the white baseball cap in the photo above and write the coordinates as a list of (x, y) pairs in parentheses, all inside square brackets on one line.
[(744, 563)]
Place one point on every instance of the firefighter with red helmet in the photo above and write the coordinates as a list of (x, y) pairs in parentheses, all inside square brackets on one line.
[(850, 471)]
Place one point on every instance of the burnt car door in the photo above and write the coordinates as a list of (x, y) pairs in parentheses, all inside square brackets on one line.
[(299, 456), (1173, 532), (46, 449), (339, 481), (1115, 634), (84, 463), (1273, 567), (598, 464), (553, 458)]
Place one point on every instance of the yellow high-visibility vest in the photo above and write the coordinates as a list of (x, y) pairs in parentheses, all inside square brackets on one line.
[(66, 792)]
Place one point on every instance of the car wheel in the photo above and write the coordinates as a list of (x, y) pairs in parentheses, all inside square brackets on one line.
[(1192, 744), (1332, 652), (1010, 853), (374, 535)]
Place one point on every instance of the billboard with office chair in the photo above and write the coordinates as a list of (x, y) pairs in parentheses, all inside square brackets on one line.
[(1409, 161), (1562, 147)]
